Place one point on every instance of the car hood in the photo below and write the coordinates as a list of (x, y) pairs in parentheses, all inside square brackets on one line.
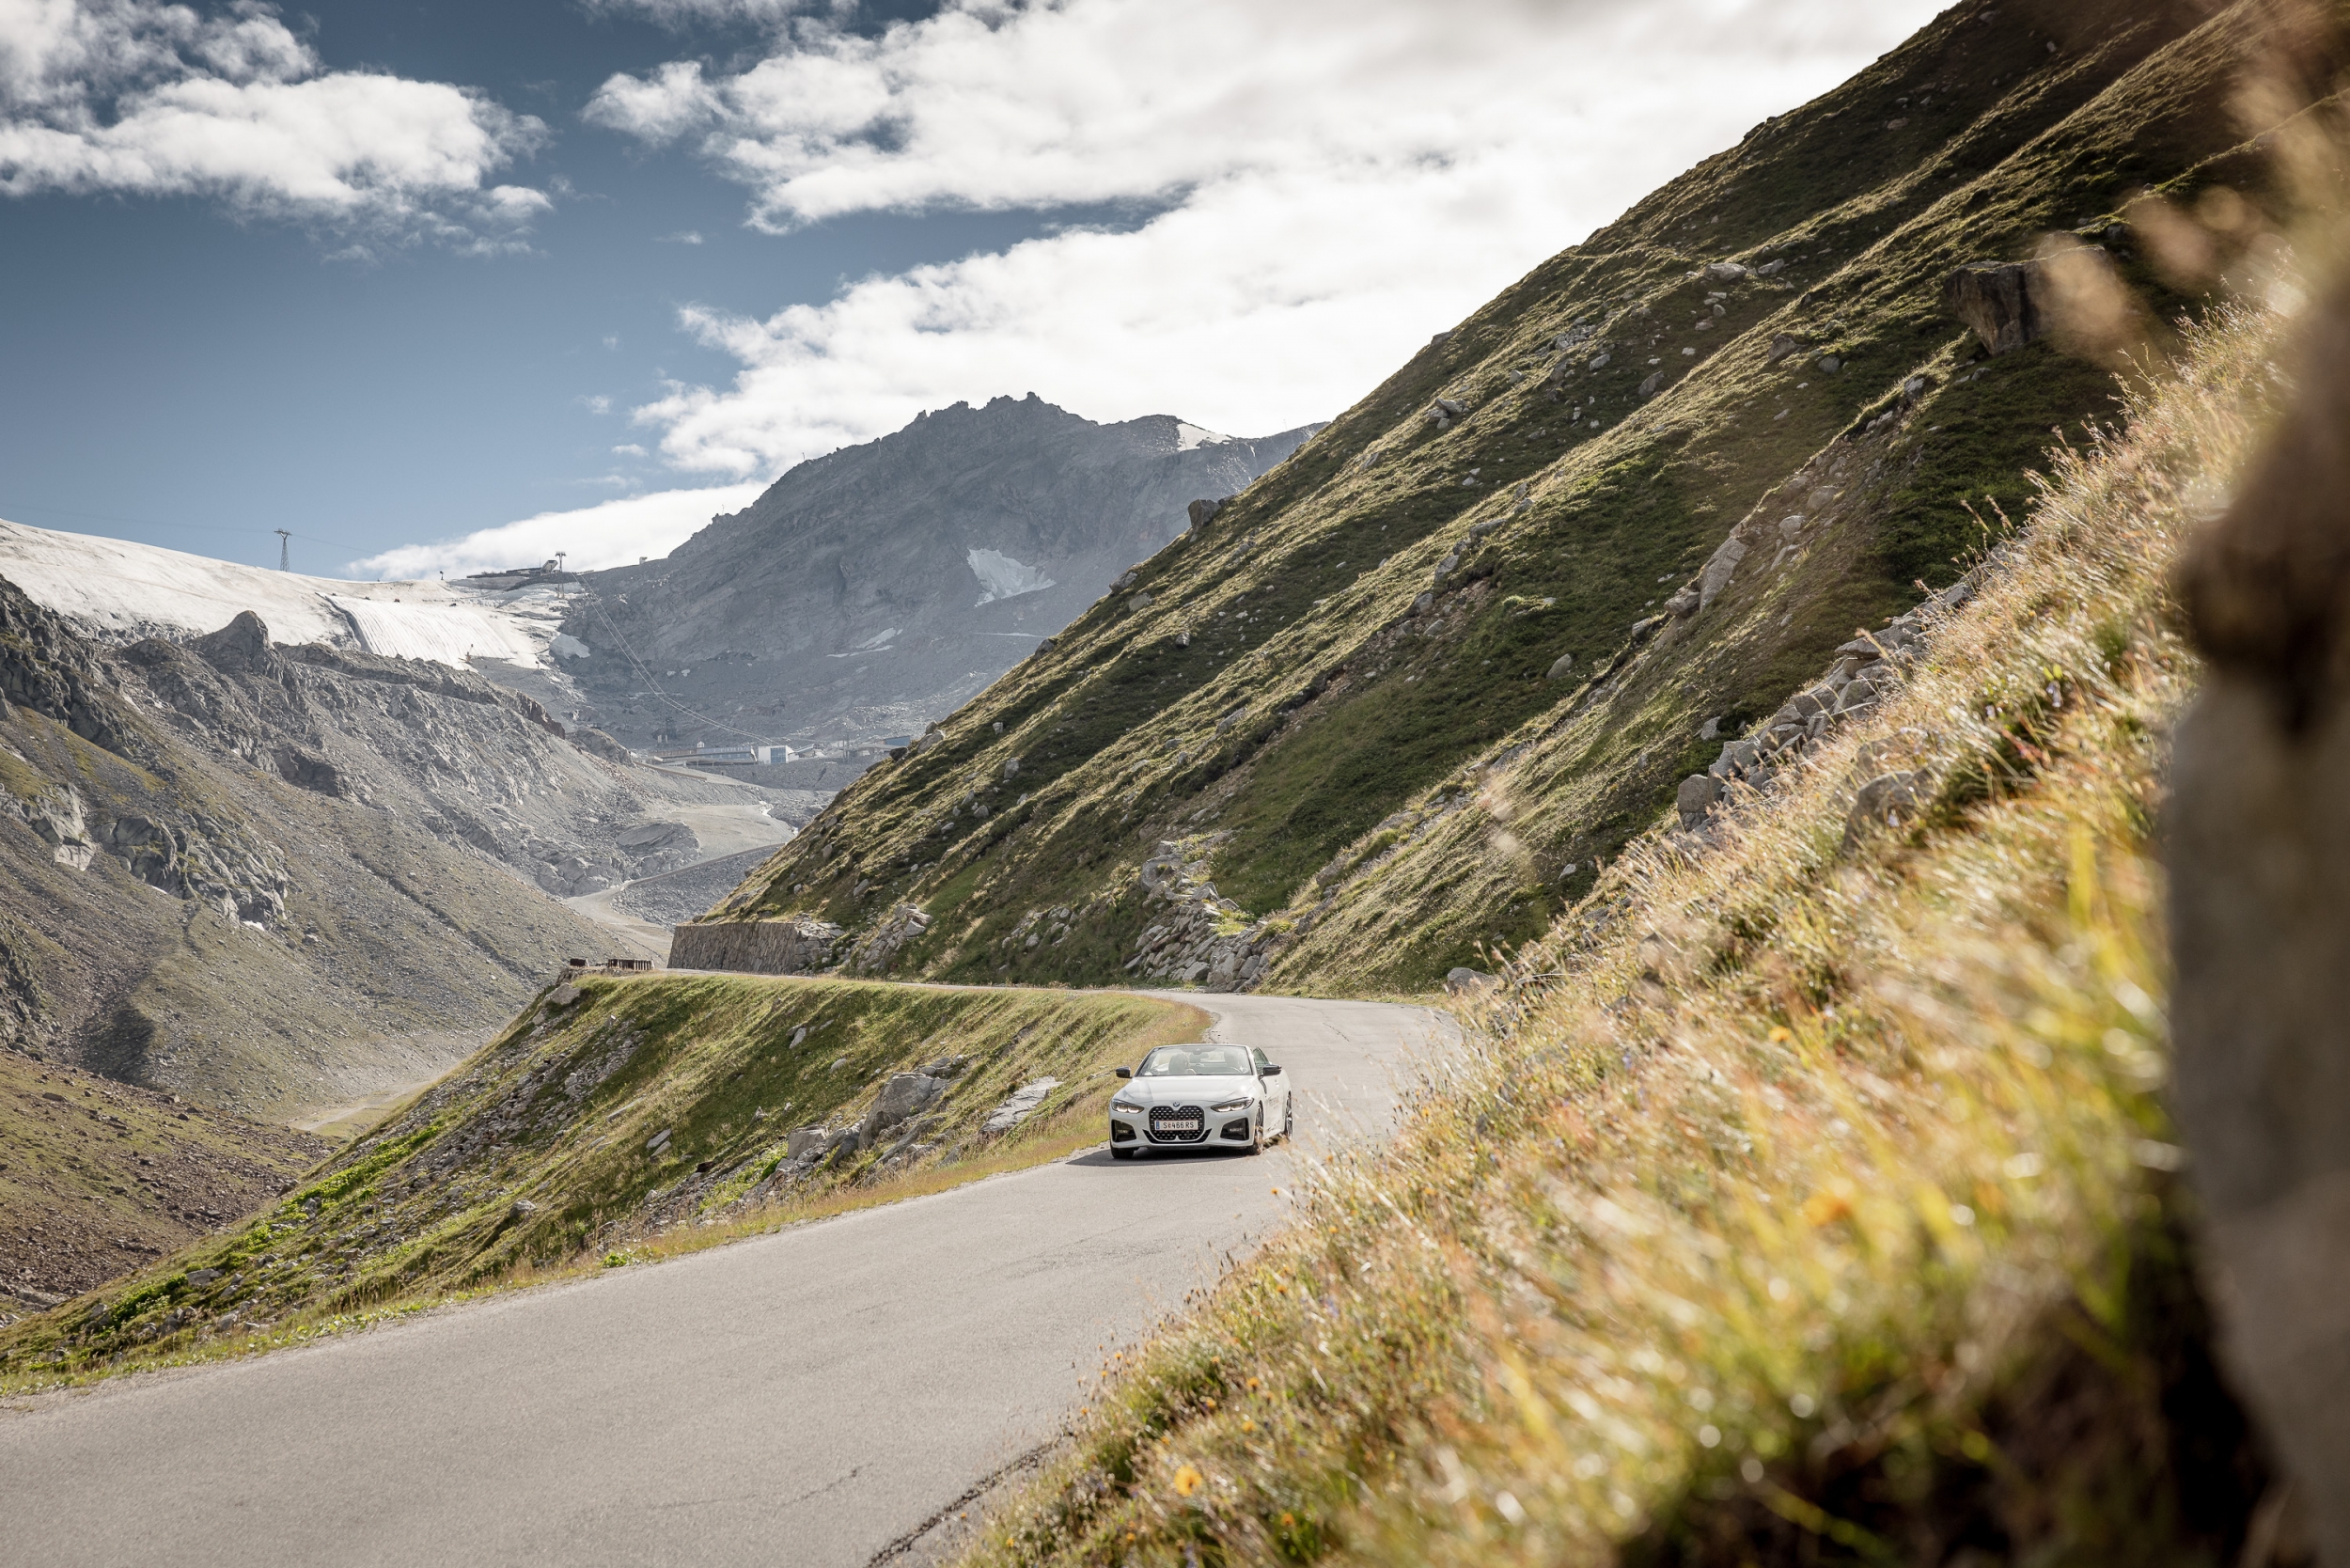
[(1183, 1092)]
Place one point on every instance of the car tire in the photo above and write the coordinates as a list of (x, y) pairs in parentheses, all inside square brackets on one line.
[(1117, 1153), (1289, 1118), (1255, 1135)]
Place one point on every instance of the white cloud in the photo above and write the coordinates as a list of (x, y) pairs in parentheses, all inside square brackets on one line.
[(596, 403), (613, 534), (140, 98), (1322, 185)]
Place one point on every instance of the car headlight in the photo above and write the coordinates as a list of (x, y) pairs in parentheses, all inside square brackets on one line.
[(1241, 1104), (1124, 1106)]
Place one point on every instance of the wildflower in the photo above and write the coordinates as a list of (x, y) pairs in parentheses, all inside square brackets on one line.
[(1826, 1208), (1247, 1425), (1781, 1035), (1187, 1479), (1253, 1385)]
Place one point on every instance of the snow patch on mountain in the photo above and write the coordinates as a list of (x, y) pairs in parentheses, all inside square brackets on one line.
[(120, 591), (1002, 577), (1191, 437)]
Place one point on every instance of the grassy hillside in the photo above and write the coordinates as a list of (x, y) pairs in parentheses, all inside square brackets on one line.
[(97, 1176), (1808, 1197), (610, 1112), (1399, 699)]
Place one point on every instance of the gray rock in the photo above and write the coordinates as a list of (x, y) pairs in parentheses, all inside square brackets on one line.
[(1019, 1106), (1830, 365), (1783, 347), (906, 1094), (1683, 603), (1770, 269), (1697, 797), (1463, 981), (563, 995), (1885, 801), (202, 1275), (1648, 388), (807, 1142), (1720, 568), (2259, 853), (1562, 668), (1203, 512), (659, 1140), (1727, 272), (2004, 303)]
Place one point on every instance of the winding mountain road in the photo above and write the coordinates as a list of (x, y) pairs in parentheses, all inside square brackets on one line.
[(836, 1394)]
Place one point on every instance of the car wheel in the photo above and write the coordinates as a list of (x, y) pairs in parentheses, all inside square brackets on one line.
[(1289, 1118), (1117, 1153), (1256, 1132)]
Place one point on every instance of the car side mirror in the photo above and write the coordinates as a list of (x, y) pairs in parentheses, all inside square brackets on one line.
[(1272, 1069), (1125, 1072)]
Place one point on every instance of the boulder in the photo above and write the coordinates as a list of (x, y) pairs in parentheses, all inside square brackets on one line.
[(1783, 347), (904, 1094), (1697, 797), (1562, 668), (1727, 272), (1720, 568), (2259, 851), (1885, 801), (2002, 303), (1203, 512), (807, 1142), (1468, 983), (1650, 388)]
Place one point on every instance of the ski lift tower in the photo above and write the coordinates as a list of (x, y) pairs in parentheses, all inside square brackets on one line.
[(285, 546)]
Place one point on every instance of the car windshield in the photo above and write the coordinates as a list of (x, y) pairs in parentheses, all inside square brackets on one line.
[(1198, 1062)]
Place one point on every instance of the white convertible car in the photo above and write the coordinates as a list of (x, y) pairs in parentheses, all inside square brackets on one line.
[(1200, 1097)]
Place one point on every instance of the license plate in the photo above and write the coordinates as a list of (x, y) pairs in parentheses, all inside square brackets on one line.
[(1191, 1126)]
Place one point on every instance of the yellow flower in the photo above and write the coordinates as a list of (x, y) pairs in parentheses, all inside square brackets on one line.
[(1247, 1425), (1188, 1480), (1253, 1385), (1781, 1035), (1827, 1208)]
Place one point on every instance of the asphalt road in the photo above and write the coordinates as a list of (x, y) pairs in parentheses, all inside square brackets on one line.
[(821, 1397)]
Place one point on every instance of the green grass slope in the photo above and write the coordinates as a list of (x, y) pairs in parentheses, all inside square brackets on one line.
[(1376, 766), (1804, 1200), (608, 1113)]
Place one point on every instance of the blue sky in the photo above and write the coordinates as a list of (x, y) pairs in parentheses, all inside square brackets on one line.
[(397, 277)]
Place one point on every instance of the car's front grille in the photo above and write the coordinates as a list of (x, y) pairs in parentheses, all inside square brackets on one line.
[(1177, 1124)]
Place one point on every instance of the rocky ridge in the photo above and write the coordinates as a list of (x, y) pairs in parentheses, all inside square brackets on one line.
[(872, 591)]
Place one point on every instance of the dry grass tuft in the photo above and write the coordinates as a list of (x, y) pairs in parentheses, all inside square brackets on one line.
[(1797, 1158)]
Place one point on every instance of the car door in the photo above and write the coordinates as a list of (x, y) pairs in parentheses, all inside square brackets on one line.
[(1277, 1100)]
